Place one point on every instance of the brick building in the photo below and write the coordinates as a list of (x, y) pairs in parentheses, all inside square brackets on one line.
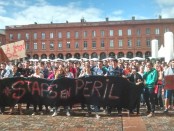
[(2, 37), (127, 38)]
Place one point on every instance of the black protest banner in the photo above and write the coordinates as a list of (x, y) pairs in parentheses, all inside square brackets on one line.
[(95, 90)]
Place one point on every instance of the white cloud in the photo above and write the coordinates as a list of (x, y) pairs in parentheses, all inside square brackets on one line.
[(45, 13), (166, 8), (2, 10), (165, 2), (20, 3)]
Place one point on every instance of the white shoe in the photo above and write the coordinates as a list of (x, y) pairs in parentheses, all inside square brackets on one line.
[(34, 113), (54, 114), (41, 113), (68, 114), (97, 116)]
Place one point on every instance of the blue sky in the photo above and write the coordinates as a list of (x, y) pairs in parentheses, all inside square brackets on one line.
[(19, 12)]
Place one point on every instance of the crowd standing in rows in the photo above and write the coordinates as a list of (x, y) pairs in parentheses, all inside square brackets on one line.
[(150, 75)]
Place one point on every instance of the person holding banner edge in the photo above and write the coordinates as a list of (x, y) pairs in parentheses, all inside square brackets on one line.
[(168, 93)]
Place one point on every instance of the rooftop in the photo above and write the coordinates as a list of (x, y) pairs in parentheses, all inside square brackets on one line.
[(85, 23)]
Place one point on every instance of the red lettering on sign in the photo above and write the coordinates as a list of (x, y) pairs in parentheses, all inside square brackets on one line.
[(110, 93), (96, 86), (86, 88), (79, 85), (19, 91), (35, 88)]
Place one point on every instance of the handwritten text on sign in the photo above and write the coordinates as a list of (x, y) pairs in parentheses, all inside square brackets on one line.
[(15, 50)]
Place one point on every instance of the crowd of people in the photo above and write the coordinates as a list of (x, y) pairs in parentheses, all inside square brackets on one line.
[(150, 75)]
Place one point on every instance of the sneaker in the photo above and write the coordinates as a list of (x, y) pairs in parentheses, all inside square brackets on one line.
[(41, 112), (165, 111), (34, 113), (150, 115), (68, 113), (88, 114), (54, 114), (97, 116)]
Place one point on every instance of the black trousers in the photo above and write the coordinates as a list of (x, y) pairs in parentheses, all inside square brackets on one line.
[(149, 97)]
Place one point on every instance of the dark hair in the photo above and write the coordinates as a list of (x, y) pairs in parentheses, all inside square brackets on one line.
[(115, 60)]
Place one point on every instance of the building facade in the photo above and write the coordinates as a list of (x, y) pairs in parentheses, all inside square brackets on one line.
[(2, 37), (128, 38)]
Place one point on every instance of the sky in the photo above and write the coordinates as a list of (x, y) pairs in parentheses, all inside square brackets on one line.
[(21, 12)]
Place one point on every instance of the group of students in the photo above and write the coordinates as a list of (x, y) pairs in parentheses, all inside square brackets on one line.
[(151, 76)]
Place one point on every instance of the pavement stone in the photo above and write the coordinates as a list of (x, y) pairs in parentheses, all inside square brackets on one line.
[(78, 122)]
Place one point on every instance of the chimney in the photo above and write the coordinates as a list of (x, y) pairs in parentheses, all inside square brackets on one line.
[(82, 20), (133, 17), (107, 19), (160, 17)]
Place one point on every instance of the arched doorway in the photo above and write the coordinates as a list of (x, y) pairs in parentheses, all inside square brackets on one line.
[(94, 55), (86, 55), (120, 54), (147, 54), (35, 56), (51, 56), (129, 55), (102, 55), (112, 54), (60, 55), (77, 55), (68, 55), (139, 54), (43, 56), (27, 57)]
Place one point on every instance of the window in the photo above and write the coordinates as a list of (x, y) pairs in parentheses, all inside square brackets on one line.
[(120, 43), (129, 32), (19, 36), (51, 35), (102, 33), (85, 44), (111, 32), (93, 33), (147, 31), (51, 46), (35, 46), (93, 44), (60, 35), (60, 45), (68, 44), (138, 43), (43, 35), (35, 36), (27, 36), (76, 34), (43, 46), (76, 45), (148, 42), (11, 36), (111, 43), (102, 43), (157, 31), (27, 46), (120, 33), (138, 32), (68, 35), (166, 29), (129, 43), (85, 34)]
